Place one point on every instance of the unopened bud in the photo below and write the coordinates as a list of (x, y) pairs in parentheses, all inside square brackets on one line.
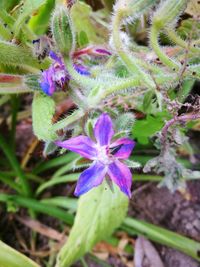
[(62, 30)]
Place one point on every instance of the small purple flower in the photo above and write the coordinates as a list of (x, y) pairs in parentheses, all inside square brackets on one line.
[(56, 76), (107, 157)]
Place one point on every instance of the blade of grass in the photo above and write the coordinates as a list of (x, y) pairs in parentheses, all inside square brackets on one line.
[(62, 202), (9, 181), (15, 165), (58, 180), (61, 160), (15, 103), (37, 206), (163, 236)]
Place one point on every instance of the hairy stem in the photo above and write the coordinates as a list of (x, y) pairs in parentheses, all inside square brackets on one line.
[(179, 119), (154, 36), (130, 61)]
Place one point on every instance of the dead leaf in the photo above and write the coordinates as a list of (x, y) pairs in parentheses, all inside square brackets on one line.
[(193, 8), (144, 251), (41, 228)]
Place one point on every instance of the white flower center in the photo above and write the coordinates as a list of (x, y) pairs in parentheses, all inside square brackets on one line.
[(103, 154)]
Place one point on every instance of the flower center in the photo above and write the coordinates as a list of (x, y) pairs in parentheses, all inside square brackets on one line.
[(103, 154)]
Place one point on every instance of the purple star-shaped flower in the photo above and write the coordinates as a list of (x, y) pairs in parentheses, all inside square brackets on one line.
[(107, 157)]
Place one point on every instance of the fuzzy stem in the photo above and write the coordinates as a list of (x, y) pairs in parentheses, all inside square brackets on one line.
[(130, 62), (154, 35), (82, 80), (179, 41), (76, 115)]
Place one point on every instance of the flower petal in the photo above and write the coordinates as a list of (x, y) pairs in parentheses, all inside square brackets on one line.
[(91, 177), (103, 129), (46, 83), (121, 175), (82, 145), (122, 148)]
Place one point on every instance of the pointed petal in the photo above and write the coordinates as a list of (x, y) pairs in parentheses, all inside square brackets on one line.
[(103, 129), (122, 148), (121, 175), (82, 145), (90, 178)]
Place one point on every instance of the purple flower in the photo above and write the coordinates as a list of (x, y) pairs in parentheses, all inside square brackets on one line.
[(107, 157), (56, 76)]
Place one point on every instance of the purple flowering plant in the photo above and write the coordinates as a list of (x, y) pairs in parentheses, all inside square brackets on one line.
[(107, 157), (117, 79)]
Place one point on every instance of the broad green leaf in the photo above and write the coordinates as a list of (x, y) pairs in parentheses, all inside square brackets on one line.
[(81, 16), (99, 213), (10, 257), (29, 8), (40, 22), (145, 128), (13, 55), (43, 109)]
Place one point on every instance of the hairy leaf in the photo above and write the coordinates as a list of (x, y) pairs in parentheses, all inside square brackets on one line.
[(28, 9), (13, 55), (99, 212), (43, 110)]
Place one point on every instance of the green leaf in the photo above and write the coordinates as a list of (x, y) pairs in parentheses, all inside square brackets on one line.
[(81, 16), (13, 55), (100, 211), (83, 39), (145, 128), (58, 180), (40, 22), (43, 109), (147, 101), (29, 8), (10, 257), (163, 236), (62, 202)]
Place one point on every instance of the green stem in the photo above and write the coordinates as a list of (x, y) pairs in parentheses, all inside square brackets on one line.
[(83, 81), (179, 41), (154, 35), (76, 115), (130, 61), (14, 163)]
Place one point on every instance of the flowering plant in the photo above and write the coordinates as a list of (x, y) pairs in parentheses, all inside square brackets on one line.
[(87, 81)]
